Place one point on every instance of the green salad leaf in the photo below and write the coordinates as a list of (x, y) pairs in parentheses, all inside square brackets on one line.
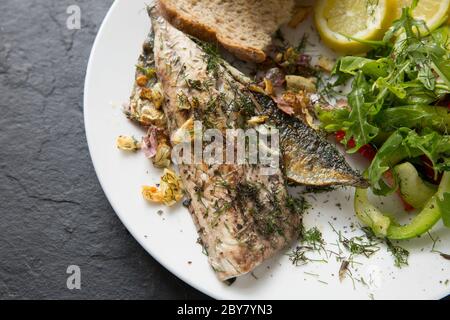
[(414, 117), (408, 144), (358, 125), (394, 92)]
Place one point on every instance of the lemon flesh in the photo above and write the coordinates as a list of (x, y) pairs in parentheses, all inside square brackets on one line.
[(337, 20), (433, 12)]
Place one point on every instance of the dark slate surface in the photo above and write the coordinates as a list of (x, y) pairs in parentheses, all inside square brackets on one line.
[(53, 212)]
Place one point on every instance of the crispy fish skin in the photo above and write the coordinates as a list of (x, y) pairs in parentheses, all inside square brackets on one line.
[(308, 158), (243, 216)]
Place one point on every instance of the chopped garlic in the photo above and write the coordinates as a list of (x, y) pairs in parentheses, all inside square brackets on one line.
[(183, 133), (157, 95), (127, 143), (163, 156), (152, 194), (154, 95), (170, 190), (150, 115)]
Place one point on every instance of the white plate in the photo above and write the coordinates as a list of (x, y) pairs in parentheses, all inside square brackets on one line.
[(171, 237)]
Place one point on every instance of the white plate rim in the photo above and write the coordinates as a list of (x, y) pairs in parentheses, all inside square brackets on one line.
[(159, 258), (129, 227)]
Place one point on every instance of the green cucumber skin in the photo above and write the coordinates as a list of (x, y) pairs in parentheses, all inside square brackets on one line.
[(413, 189), (424, 221)]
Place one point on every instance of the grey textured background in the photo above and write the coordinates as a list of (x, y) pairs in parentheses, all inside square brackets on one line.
[(53, 212)]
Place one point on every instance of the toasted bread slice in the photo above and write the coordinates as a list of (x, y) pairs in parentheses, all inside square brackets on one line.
[(243, 27)]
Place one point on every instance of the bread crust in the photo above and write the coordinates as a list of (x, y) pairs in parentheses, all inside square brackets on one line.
[(187, 24)]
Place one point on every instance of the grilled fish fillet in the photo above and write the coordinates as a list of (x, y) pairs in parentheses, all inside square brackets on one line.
[(306, 157), (242, 215)]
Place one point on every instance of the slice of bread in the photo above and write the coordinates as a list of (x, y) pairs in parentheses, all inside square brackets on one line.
[(243, 27)]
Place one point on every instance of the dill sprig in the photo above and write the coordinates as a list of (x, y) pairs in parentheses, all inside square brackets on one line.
[(212, 56), (313, 238), (312, 241), (317, 190), (361, 246), (400, 254), (358, 245), (298, 256), (297, 205), (434, 250)]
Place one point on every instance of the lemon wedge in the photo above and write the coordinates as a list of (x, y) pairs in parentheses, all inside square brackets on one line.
[(433, 12), (337, 20)]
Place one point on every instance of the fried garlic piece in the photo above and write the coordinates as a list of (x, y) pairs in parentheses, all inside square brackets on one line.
[(128, 143), (170, 190)]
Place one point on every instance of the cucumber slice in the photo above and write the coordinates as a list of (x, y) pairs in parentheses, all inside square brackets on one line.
[(370, 215), (426, 219), (413, 189)]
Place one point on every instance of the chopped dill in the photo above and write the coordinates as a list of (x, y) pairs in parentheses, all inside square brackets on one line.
[(368, 232), (434, 240), (329, 94), (400, 254), (296, 205), (317, 190), (302, 45), (311, 274), (312, 241), (359, 245), (313, 238), (198, 85), (148, 72), (298, 256), (212, 56), (433, 248)]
